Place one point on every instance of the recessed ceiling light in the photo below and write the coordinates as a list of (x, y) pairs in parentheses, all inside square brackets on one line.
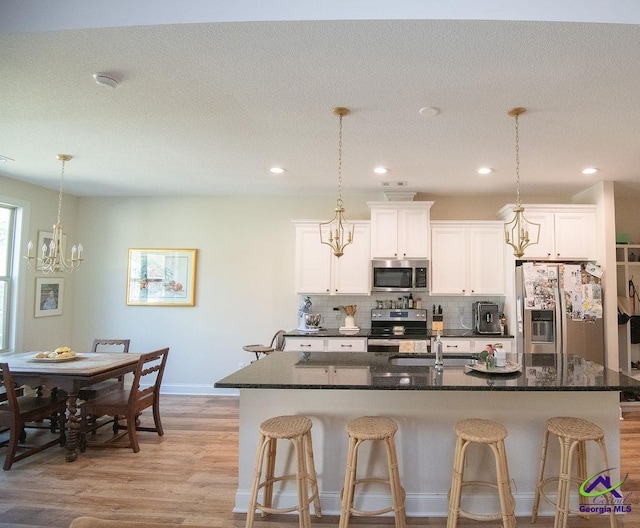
[(429, 111), (380, 170), (485, 170), (276, 170), (590, 170)]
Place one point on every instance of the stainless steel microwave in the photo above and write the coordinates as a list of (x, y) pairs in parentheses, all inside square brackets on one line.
[(399, 275)]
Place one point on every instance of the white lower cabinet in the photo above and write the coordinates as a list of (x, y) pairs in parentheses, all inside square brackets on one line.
[(455, 346), (326, 344), (467, 258), (319, 271), (472, 345), (480, 343), (332, 375)]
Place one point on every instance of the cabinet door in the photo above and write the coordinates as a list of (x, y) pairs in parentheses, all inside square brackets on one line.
[(456, 346), (384, 233), (486, 261), (448, 260), (413, 234), (352, 271), (310, 344), (313, 267), (575, 235), (545, 247), (347, 344)]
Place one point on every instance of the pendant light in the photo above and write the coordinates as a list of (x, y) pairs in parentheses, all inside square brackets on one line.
[(519, 233), (337, 232), (52, 258)]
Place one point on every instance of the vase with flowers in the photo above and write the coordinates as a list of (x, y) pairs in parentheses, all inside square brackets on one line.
[(488, 357)]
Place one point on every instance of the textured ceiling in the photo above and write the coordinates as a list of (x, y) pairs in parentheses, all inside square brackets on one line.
[(206, 109)]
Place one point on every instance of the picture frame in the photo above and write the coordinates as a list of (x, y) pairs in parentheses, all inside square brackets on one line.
[(161, 277), (45, 238), (49, 297)]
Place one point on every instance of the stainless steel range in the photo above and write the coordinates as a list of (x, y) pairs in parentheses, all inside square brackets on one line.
[(399, 331)]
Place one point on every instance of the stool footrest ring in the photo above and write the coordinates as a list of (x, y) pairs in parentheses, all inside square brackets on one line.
[(479, 516)]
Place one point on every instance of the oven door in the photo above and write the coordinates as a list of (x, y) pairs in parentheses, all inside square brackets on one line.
[(398, 346)]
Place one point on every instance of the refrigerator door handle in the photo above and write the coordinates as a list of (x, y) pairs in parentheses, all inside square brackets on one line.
[(561, 327)]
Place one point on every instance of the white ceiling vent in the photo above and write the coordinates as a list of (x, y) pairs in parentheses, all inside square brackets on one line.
[(400, 196)]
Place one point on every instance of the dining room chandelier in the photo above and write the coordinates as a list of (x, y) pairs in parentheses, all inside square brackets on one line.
[(519, 233), (337, 232), (50, 258)]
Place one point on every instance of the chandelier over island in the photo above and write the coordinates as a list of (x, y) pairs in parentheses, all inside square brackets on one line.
[(50, 258), (338, 233), (519, 233)]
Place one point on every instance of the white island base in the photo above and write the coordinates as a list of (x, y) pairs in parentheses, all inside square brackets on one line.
[(425, 442)]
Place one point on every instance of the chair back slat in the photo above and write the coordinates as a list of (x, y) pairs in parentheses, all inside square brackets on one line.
[(111, 345), (148, 375)]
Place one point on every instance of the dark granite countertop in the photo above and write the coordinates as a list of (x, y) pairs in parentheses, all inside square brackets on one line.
[(364, 332), (282, 370)]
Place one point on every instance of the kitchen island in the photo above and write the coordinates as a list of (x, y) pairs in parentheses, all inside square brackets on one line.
[(331, 388)]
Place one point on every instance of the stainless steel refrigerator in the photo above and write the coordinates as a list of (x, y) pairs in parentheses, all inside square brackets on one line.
[(559, 310)]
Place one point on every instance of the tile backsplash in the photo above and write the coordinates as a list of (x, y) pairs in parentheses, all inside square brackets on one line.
[(457, 311)]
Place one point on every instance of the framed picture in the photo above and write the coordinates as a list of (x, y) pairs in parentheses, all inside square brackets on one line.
[(161, 277), (44, 239), (49, 296)]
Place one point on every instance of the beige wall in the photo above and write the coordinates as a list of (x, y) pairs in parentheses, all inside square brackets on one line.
[(628, 212)]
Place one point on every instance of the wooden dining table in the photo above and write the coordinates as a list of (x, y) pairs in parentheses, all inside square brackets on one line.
[(70, 376)]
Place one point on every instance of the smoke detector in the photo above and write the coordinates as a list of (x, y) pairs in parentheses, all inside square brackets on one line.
[(102, 79)]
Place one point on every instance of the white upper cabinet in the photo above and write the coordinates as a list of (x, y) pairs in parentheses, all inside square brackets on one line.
[(567, 231), (319, 271), (400, 230), (467, 258)]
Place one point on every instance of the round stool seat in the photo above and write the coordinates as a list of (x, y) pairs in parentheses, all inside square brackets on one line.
[(371, 428), (285, 426), (258, 349), (575, 429), (481, 431)]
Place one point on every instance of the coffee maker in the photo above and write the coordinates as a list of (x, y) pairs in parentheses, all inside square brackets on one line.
[(486, 317)]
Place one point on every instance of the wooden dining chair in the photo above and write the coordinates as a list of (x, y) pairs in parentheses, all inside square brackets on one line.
[(103, 387), (128, 403), (17, 411)]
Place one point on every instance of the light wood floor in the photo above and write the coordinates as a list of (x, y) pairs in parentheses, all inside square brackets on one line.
[(189, 476)]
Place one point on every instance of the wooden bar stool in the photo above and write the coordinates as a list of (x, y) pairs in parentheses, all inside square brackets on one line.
[(360, 430), (296, 429), (492, 434), (572, 433)]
